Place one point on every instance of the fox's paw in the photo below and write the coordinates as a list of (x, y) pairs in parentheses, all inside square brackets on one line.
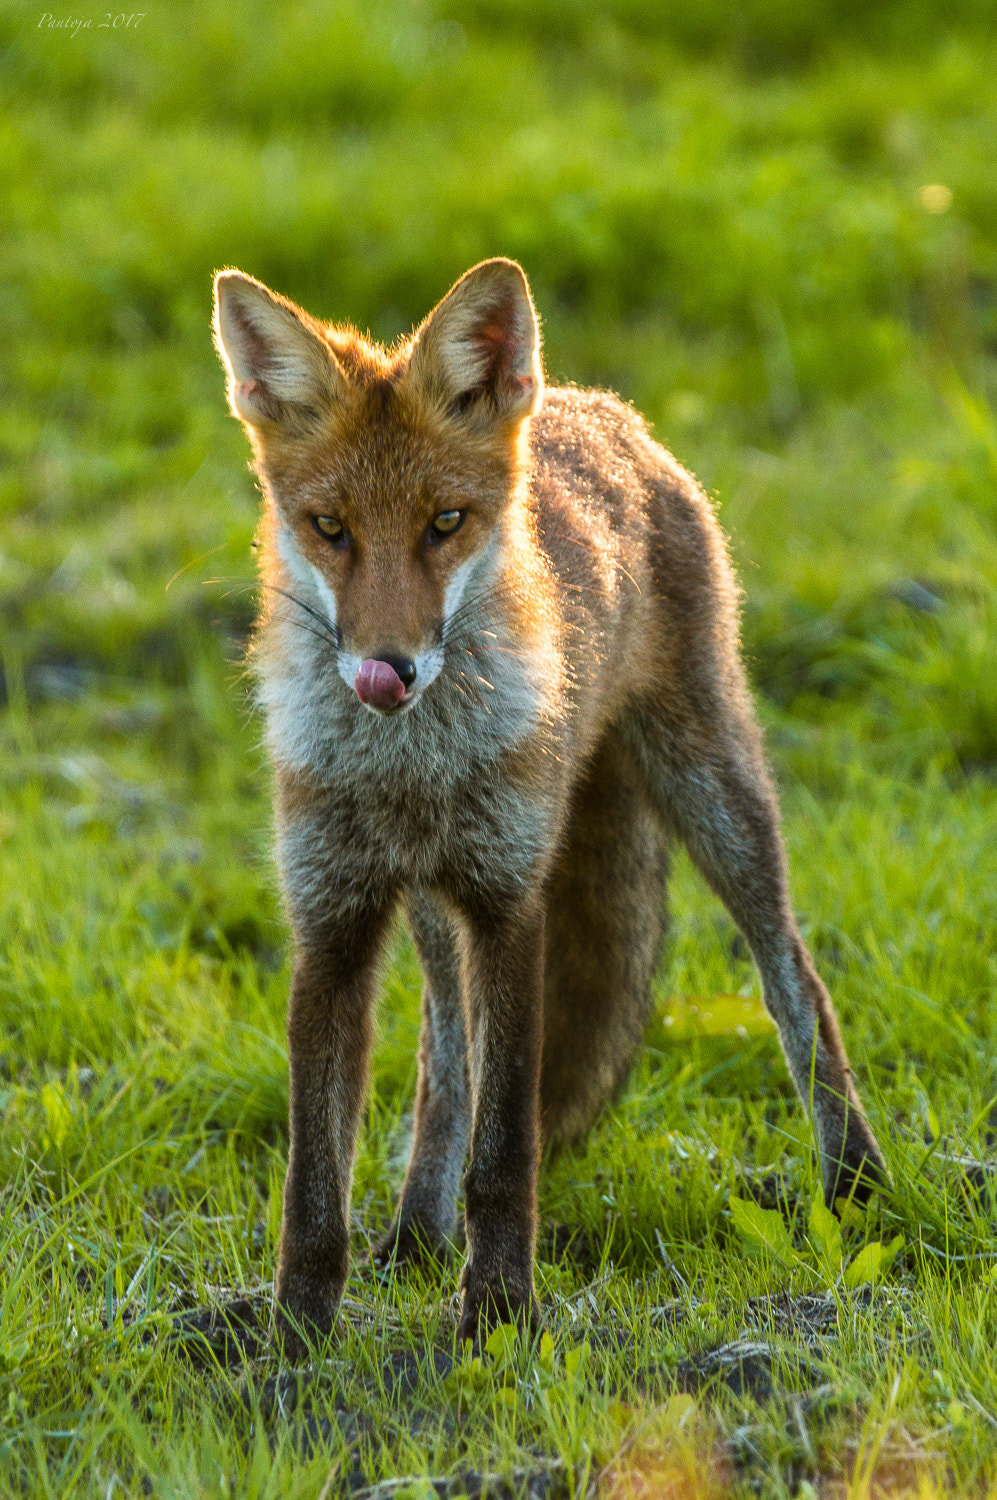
[(857, 1170), (491, 1302), (408, 1243), (304, 1314)]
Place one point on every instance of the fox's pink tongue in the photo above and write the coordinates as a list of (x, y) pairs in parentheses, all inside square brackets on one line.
[(378, 684)]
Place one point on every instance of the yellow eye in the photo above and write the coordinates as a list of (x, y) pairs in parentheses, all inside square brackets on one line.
[(447, 522), (328, 527)]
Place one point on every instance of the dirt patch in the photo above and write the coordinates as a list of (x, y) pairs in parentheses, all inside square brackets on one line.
[(747, 1368), (225, 1336)]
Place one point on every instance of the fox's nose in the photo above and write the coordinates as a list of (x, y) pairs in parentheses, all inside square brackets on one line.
[(400, 664), (383, 681)]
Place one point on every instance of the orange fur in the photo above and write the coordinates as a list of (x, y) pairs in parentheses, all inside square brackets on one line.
[(556, 591)]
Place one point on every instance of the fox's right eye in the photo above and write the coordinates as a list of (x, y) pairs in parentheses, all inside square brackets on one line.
[(330, 528)]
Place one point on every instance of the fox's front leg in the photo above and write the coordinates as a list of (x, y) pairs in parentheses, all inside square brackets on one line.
[(329, 1038), (504, 990), (427, 1206)]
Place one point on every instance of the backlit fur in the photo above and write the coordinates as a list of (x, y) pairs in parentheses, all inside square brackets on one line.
[(578, 703)]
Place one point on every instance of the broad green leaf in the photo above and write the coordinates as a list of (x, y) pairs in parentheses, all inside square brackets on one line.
[(471, 1374), (873, 1261), (762, 1230), (851, 1214), (865, 1266), (575, 1358), (891, 1251), (825, 1236), (546, 1352), (502, 1341)]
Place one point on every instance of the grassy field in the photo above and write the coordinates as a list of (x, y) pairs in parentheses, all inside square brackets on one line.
[(773, 228)]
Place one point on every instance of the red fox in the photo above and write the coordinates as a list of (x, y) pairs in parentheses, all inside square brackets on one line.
[(498, 658)]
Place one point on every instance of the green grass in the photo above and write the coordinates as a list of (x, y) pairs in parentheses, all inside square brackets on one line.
[(722, 214)]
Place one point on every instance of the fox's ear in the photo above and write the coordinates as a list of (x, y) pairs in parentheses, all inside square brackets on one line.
[(479, 349), (280, 371)]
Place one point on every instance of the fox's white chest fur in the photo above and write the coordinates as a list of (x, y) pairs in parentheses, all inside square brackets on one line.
[(424, 789)]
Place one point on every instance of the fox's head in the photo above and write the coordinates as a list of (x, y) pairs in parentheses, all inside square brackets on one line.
[(390, 475)]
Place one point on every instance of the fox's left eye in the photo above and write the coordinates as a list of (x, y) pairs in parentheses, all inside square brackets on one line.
[(329, 527), (447, 522)]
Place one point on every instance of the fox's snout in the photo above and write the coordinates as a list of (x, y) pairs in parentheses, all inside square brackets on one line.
[(385, 681)]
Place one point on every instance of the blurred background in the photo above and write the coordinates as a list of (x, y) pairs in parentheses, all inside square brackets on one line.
[(771, 226)]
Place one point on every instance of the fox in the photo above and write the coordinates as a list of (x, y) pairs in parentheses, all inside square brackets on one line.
[(498, 660)]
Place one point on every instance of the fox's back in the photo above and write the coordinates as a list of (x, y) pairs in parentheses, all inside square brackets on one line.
[(643, 575)]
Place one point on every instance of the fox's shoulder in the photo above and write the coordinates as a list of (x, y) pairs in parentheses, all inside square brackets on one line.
[(600, 477), (590, 445), (578, 424)]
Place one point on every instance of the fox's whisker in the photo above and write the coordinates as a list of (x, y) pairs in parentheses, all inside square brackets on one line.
[(476, 695), (477, 651), (491, 591), (461, 616), (331, 630), (300, 625)]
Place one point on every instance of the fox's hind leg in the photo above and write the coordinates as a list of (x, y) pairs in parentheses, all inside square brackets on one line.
[(710, 773), (428, 1204), (605, 923)]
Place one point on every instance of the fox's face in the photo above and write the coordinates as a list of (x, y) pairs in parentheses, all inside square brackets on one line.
[(389, 476)]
